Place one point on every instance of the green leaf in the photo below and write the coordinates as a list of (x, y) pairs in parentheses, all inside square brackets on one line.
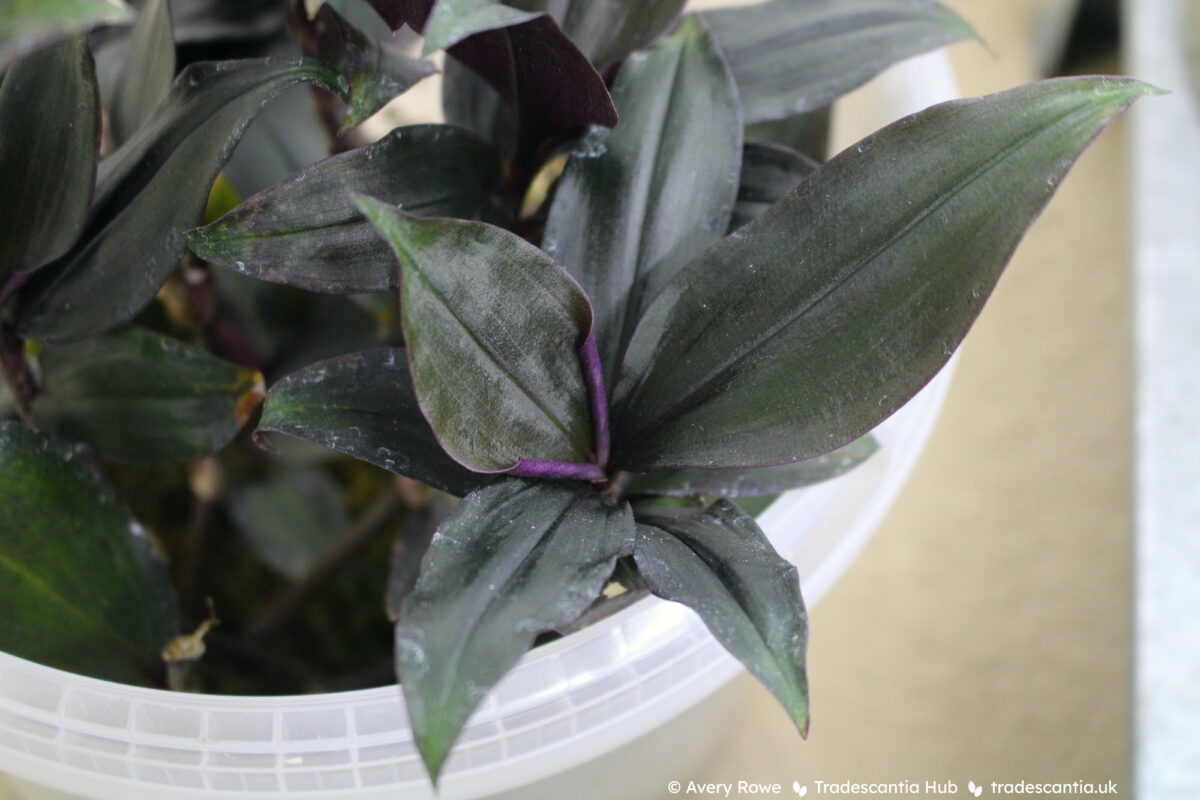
[(606, 31), (26, 25), (719, 563), (378, 71), (152, 190), (769, 171), (141, 397), (307, 232), (806, 328), (48, 167), (363, 405), (451, 22), (510, 321), (751, 482), (514, 559), (147, 72), (291, 519), (790, 57), (638, 202), (80, 584)]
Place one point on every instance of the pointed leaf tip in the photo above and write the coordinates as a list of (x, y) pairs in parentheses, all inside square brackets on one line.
[(791, 57), (514, 559), (819, 356), (152, 190), (141, 397), (718, 562), (307, 231), (362, 405), (637, 202)]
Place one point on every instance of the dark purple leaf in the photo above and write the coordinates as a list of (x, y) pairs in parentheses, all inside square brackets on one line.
[(532, 65), (805, 329), (494, 330), (514, 559), (638, 202), (363, 405), (719, 563)]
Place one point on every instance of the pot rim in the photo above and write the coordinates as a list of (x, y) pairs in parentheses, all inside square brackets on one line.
[(564, 703)]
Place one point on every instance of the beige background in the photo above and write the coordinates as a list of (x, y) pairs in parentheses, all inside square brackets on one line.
[(985, 631)]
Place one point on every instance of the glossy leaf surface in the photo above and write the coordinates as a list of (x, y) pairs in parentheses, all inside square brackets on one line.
[(719, 563), (790, 57), (152, 190), (639, 201), (515, 559), (606, 31), (759, 482), (147, 72), (47, 168), (75, 563), (769, 171), (307, 232), (138, 396), (363, 405), (26, 25), (806, 328), (377, 70), (510, 322), (291, 519)]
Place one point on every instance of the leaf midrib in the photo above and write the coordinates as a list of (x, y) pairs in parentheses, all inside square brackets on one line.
[(495, 359), (476, 620), (237, 236), (818, 27), (629, 311), (699, 391), (697, 549), (96, 623)]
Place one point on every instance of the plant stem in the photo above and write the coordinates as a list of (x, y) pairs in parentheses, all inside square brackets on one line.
[(22, 386), (207, 482), (357, 537)]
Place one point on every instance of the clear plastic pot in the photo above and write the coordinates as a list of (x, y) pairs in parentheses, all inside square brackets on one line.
[(566, 720)]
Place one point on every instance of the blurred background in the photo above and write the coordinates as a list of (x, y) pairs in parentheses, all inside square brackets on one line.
[(985, 632)]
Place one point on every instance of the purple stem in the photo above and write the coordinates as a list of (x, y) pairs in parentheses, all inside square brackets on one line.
[(593, 373), (557, 470)]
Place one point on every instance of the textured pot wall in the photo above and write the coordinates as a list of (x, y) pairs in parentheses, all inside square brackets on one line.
[(984, 632)]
